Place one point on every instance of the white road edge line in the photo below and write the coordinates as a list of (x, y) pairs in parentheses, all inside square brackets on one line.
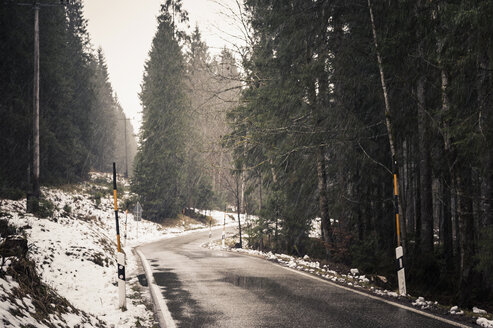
[(165, 319), (457, 324)]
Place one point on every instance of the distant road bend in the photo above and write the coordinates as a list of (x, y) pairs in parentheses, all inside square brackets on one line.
[(208, 288)]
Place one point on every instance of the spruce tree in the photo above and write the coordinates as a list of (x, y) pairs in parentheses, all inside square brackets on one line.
[(159, 176)]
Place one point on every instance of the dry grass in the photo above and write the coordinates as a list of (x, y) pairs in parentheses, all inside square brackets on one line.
[(181, 220)]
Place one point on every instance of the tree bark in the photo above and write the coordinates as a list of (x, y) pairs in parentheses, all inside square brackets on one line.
[(419, 225), (448, 251), (488, 195), (425, 169), (36, 186), (448, 243), (409, 187), (484, 120), (466, 226), (260, 191), (322, 195)]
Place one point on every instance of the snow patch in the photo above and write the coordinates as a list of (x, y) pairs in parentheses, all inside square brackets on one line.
[(479, 311), (483, 322)]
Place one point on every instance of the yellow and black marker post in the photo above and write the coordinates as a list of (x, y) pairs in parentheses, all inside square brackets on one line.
[(399, 252), (120, 256)]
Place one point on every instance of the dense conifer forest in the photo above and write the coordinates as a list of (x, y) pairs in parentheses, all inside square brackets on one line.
[(334, 91), (81, 121)]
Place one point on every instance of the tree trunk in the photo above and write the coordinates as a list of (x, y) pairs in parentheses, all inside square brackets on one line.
[(425, 170), (322, 195), (448, 242), (238, 208), (260, 192), (36, 186), (419, 225), (488, 195), (484, 120), (466, 226), (410, 199), (448, 250), (388, 121), (242, 191)]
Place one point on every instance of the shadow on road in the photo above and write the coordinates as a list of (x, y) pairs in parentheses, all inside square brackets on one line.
[(185, 311)]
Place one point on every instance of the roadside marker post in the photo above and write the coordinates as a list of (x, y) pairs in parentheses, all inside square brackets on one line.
[(210, 231), (224, 230), (399, 251), (138, 216), (120, 256)]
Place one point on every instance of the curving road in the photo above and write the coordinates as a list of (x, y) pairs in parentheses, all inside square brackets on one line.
[(209, 288)]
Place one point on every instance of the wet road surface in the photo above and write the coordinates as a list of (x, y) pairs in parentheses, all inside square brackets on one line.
[(209, 288)]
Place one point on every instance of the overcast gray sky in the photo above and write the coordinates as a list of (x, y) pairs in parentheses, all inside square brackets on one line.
[(125, 29)]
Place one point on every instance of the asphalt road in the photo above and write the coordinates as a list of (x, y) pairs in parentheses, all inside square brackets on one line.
[(209, 288)]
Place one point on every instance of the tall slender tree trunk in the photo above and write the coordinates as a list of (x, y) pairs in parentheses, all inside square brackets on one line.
[(238, 209), (410, 199), (242, 192), (419, 225), (36, 185), (485, 119), (488, 194), (388, 121), (448, 251), (322, 195), (466, 226), (425, 169), (448, 246), (276, 200), (260, 191), (219, 172)]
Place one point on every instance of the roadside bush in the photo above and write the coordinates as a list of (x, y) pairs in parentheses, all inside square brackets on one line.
[(67, 209), (45, 208), (12, 193), (316, 248)]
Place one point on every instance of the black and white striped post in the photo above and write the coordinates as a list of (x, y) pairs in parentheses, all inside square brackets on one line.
[(399, 251), (120, 256)]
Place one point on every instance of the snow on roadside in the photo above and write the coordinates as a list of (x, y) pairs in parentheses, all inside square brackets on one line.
[(483, 322), (18, 311), (75, 252)]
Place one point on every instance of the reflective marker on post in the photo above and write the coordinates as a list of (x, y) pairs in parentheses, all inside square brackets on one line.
[(121, 280), (120, 255), (401, 276)]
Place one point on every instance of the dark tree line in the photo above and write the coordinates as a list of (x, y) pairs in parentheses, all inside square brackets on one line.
[(312, 138), (81, 121)]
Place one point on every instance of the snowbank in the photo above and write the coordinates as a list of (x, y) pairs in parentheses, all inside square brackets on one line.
[(75, 254)]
